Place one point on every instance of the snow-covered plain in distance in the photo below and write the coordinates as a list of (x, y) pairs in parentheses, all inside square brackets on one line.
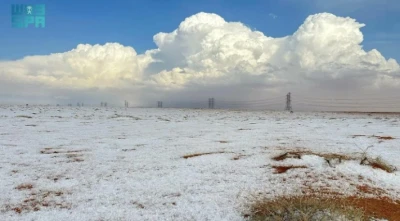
[(70, 163)]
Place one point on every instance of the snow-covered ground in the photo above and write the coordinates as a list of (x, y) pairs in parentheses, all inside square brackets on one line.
[(69, 163)]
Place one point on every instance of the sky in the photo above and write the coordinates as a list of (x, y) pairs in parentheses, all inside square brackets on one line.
[(185, 51)]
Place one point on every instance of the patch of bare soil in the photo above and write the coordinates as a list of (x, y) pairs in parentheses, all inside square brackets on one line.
[(238, 157), (283, 169), (377, 206), (37, 201), (25, 186), (201, 154), (71, 155), (377, 137), (384, 137)]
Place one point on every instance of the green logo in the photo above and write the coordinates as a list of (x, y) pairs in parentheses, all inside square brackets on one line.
[(23, 16)]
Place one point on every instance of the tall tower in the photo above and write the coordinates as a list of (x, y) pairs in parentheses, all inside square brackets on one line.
[(211, 103), (288, 102)]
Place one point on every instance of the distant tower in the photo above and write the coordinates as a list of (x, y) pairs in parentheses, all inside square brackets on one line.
[(211, 103), (288, 102), (159, 104)]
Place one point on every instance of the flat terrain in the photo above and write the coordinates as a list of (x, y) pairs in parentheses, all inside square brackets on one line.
[(69, 163)]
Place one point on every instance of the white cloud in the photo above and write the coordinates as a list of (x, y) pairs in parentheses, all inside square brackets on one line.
[(272, 15), (207, 51)]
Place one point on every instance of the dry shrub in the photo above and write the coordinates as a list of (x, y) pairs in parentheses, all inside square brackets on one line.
[(378, 163)]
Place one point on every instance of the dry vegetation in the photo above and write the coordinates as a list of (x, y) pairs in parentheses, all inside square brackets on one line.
[(324, 203), (378, 163), (304, 208), (334, 159), (322, 207)]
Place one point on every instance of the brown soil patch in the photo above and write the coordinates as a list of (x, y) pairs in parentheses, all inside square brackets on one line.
[(38, 200), (378, 137), (25, 186), (370, 190), (380, 208), (283, 169), (296, 155), (377, 207), (201, 154), (384, 137), (238, 157), (223, 141)]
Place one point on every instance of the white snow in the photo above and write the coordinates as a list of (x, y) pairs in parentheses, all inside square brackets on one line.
[(117, 164)]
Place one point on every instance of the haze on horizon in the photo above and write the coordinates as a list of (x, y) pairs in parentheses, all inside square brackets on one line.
[(320, 63)]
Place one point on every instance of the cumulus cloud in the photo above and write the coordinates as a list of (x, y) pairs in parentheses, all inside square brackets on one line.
[(205, 53)]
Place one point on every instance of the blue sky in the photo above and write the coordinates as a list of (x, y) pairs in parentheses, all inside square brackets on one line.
[(134, 23)]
